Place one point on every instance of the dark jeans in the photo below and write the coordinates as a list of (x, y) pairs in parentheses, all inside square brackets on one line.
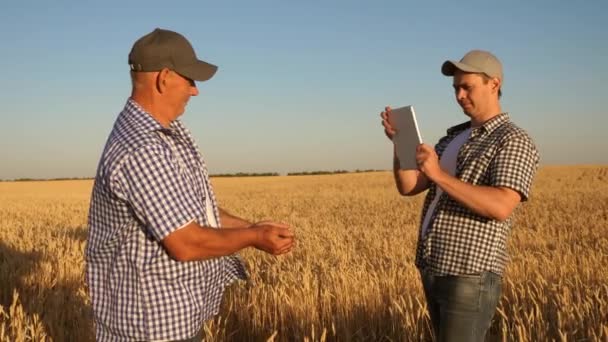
[(461, 307)]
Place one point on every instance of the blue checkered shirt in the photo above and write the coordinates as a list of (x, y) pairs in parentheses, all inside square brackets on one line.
[(150, 181), (459, 241)]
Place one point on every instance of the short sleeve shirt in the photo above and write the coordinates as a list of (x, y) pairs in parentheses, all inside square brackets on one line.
[(459, 241), (151, 181)]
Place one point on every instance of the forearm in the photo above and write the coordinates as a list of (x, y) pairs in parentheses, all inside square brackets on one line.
[(230, 221), (195, 242), (220, 242), (487, 201), (409, 182)]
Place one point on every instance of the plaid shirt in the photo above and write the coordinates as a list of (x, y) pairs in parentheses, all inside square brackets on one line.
[(150, 181), (458, 241)]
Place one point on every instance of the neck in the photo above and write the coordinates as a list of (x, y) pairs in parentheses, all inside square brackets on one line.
[(492, 112), (153, 107)]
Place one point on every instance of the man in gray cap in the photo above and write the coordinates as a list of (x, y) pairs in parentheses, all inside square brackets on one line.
[(476, 176), (159, 253)]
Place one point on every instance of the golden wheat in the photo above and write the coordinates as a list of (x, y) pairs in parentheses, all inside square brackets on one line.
[(351, 276)]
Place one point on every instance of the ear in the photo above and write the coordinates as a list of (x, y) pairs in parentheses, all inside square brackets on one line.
[(496, 83), (161, 80)]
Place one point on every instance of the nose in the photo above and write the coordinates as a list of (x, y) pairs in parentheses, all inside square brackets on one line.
[(193, 90), (460, 94)]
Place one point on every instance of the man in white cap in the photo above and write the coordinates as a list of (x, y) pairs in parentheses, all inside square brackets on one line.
[(159, 253), (476, 176)]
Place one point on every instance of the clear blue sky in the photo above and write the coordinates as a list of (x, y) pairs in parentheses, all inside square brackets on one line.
[(300, 83)]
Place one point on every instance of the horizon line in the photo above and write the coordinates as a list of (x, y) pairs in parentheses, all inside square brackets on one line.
[(277, 174)]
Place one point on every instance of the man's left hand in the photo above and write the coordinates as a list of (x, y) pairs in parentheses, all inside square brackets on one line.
[(428, 161)]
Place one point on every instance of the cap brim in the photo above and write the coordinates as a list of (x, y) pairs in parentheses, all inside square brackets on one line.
[(200, 71), (449, 67)]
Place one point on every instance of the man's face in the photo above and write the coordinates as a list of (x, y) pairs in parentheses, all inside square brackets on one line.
[(474, 94), (179, 90)]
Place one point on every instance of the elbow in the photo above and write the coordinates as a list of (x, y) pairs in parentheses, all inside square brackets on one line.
[(184, 255), (503, 207), (178, 250), (501, 214), (176, 247), (403, 191), (408, 192), (504, 211), (500, 218), (180, 255)]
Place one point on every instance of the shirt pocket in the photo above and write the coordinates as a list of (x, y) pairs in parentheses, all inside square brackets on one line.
[(476, 167)]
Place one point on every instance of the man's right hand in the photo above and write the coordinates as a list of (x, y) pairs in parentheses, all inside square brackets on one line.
[(388, 129), (273, 238)]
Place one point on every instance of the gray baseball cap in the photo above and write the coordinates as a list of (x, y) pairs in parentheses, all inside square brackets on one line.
[(167, 49), (475, 61)]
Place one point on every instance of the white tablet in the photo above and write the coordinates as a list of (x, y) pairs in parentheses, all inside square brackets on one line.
[(406, 139)]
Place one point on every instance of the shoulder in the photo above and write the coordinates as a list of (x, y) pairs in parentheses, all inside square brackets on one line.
[(513, 144), (129, 142), (510, 132)]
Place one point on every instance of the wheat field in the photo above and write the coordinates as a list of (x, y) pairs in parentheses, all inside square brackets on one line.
[(351, 276)]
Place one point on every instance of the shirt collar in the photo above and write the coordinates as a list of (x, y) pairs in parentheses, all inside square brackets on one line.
[(495, 122), (487, 127), (145, 120)]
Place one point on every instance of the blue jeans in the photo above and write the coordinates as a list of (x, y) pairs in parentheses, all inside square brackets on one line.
[(461, 307)]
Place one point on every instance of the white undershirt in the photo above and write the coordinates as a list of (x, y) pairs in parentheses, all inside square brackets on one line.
[(448, 164), (209, 208)]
